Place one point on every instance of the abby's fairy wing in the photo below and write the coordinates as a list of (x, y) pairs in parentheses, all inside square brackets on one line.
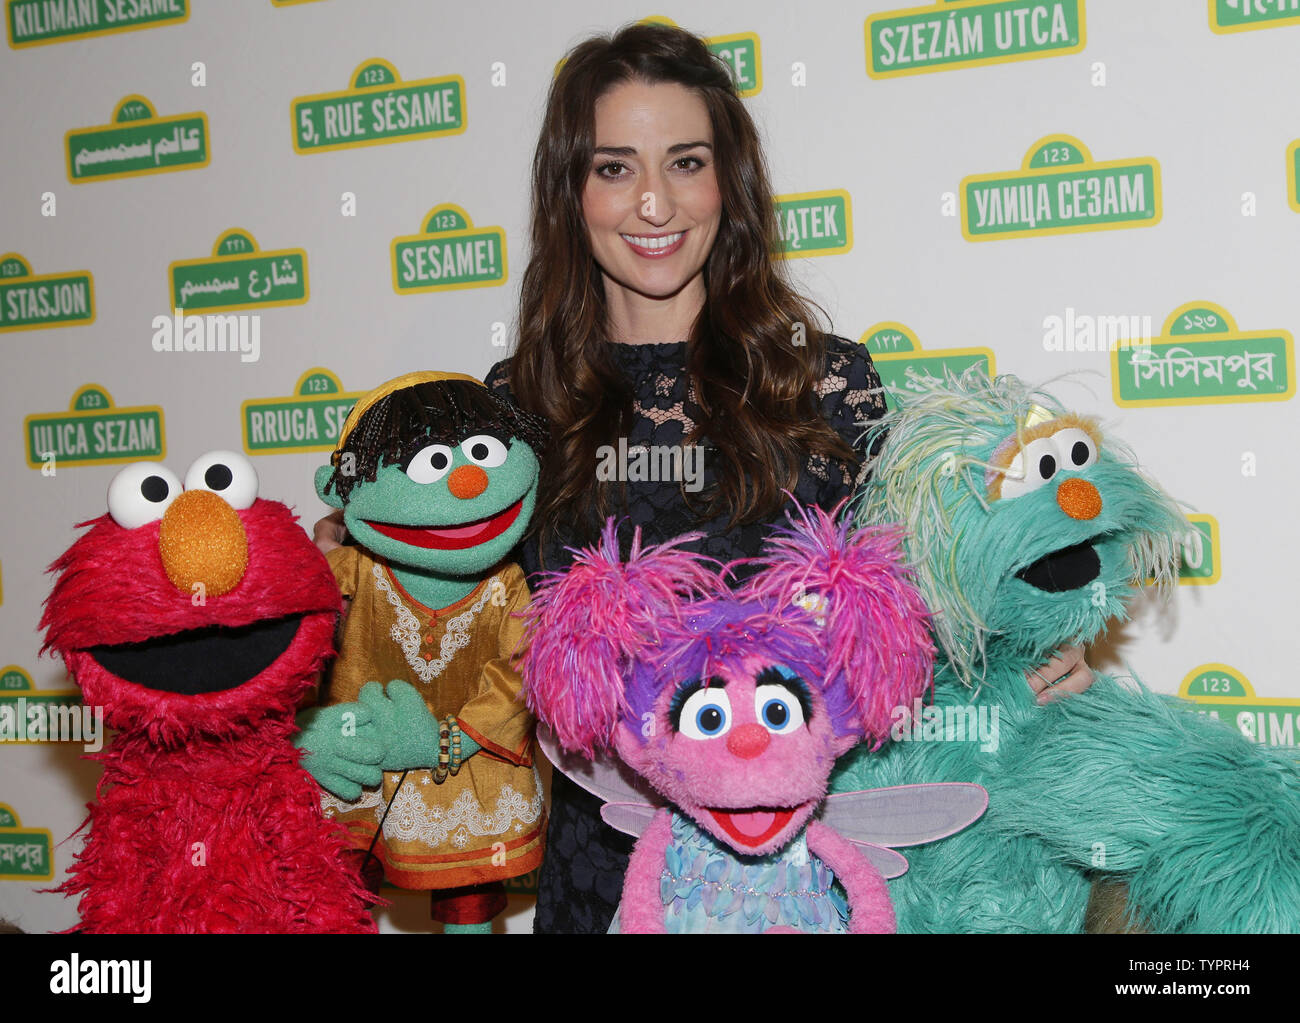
[(905, 814), (607, 778), (889, 863), (629, 818)]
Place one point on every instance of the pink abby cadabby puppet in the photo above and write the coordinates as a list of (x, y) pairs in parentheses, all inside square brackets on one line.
[(734, 707)]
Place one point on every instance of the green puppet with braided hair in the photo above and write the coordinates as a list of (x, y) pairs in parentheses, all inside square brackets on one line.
[(1031, 530), (423, 747)]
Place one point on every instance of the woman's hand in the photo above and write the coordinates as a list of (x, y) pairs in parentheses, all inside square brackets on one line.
[(330, 531), (1066, 673)]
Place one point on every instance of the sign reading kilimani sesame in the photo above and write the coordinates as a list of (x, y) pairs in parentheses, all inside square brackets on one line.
[(33, 22)]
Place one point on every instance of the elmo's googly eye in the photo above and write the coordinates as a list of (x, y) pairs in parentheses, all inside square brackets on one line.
[(430, 464), (706, 714), (778, 709), (1033, 466), (1075, 448), (226, 473), (485, 450), (140, 493)]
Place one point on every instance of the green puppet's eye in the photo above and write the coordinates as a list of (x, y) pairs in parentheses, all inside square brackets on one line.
[(430, 464), (485, 450)]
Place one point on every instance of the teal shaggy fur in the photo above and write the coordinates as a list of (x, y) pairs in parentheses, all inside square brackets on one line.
[(1203, 826)]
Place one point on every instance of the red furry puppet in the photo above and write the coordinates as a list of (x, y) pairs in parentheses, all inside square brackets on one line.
[(197, 617)]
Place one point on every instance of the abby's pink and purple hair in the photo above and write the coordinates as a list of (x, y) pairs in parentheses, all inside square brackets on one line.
[(608, 637)]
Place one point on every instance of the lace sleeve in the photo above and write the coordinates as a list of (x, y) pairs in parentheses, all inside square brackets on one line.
[(852, 396), (496, 381)]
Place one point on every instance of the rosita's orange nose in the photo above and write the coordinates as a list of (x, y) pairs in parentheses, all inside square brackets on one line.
[(1079, 499), (201, 540), (467, 481), (748, 741)]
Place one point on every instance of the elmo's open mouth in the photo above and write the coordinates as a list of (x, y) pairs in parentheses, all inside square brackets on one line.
[(451, 538), (752, 828), (206, 660), (1066, 569)]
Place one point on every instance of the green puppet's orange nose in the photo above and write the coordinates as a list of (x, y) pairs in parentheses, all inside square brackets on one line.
[(202, 540), (467, 481), (1079, 499)]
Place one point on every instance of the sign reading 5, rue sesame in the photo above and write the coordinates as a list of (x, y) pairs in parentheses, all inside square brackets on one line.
[(137, 141), (1202, 358), (450, 253), (904, 367), (1243, 15), (311, 419), (968, 33), (33, 22), (28, 301), (1059, 189), (94, 432), (239, 275), (378, 107)]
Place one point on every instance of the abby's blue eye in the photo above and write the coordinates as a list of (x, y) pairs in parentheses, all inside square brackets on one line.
[(778, 709), (706, 714)]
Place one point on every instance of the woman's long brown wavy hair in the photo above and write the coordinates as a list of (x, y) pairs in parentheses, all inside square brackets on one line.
[(754, 381)]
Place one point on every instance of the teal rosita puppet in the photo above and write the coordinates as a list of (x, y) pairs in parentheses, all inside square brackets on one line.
[(1031, 530), (424, 748)]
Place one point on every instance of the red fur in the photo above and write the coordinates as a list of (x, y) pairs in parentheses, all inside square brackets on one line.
[(204, 822)]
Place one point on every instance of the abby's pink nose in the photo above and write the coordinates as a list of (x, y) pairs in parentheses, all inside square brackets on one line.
[(748, 741)]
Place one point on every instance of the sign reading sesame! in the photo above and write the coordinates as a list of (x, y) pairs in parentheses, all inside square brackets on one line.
[(310, 419), (904, 367), (1243, 15), (968, 33), (94, 432), (378, 107), (1225, 693), (137, 141), (237, 275), (449, 253), (28, 301), (1060, 189), (1202, 358), (814, 224), (33, 22)]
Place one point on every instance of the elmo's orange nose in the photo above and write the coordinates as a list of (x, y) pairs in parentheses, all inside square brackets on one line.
[(748, 741), (201, 540), (1079, 499), (467, 481)]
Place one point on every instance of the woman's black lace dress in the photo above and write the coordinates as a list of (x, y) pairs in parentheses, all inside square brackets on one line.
[(582, 874)]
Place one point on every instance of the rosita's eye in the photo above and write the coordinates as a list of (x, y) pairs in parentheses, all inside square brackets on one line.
[(1033, 466), (778, 709), (706, 714), (430, 464)]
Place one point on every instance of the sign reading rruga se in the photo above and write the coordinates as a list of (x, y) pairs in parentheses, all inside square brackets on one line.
[(967, 33), (1223, 692), (94, 431), (29, 301), (1201, 358), (137, 141), (449, 253), (1059, 189), (904, 367), (26, 854), (310, 419), (237, 275), (814, 223), (1242, 15), (33, 22), (378, 107)]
